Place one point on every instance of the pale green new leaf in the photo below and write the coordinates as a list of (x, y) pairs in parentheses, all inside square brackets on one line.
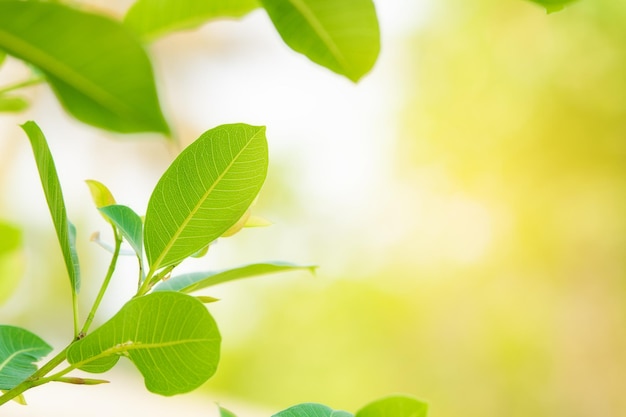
[(129, 223), (97, 68), (311, 410), (19, 350), (153, 18), (197, 280), (340, 35), (13, 104), (394, 406), (205, 191), (553, 5), (170, 337), (100, 194), (54, 197)]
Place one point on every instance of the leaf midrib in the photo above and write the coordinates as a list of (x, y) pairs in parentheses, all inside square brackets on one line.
[(170, 243), (65, 73), (321, 31), (122, 347), (15, 354)]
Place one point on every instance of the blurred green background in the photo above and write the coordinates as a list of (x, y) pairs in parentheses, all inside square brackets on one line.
[(482, 265)]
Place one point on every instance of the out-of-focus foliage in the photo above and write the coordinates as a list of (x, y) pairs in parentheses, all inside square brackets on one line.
[(553, 5), (515, 124), (11, 259)]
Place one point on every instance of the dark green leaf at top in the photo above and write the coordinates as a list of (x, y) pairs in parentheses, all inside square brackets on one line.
[(342, 36), (98, 70), (206, 190), (170, 337), (19, 349), (153, 18), (54, 197), (394, 406)]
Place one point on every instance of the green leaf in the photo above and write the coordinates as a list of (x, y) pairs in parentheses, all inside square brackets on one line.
[(153, 18), (226, 413), (54, 197), (552, 6), (12, 104), (98, 70), (342, 36), (170, 337), (129, 223), (11, 259), (311, 410), (205, 191), (198, 280), (394, 406), (100, 194), (3, 56), (19, 350)]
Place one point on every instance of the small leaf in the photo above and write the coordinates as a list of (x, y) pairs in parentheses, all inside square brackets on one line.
[(226, 413), (394, 406), (205, 299), (311, 410), (552, 6), (54, 197), (100, 194), (170, 337), (19, 350), (202, 252), (197, 280), (129, 223), (204, 192), (13, 104), (12, 262), (257, 221), (235, 228), (102, 76), (153, 18), (342, 36)]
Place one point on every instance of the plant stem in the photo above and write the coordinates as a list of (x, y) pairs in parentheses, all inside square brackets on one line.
[(36, 378), (26, 83), (105, 283)]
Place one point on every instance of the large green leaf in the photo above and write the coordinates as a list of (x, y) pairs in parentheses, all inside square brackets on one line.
[(394, 406), (204, 192), (553, 5), (129, 223), (99, 71), (311, 410), (152, 18), (197, 280), (170, 337), (340, 35), (18, 352), (54, 197)]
